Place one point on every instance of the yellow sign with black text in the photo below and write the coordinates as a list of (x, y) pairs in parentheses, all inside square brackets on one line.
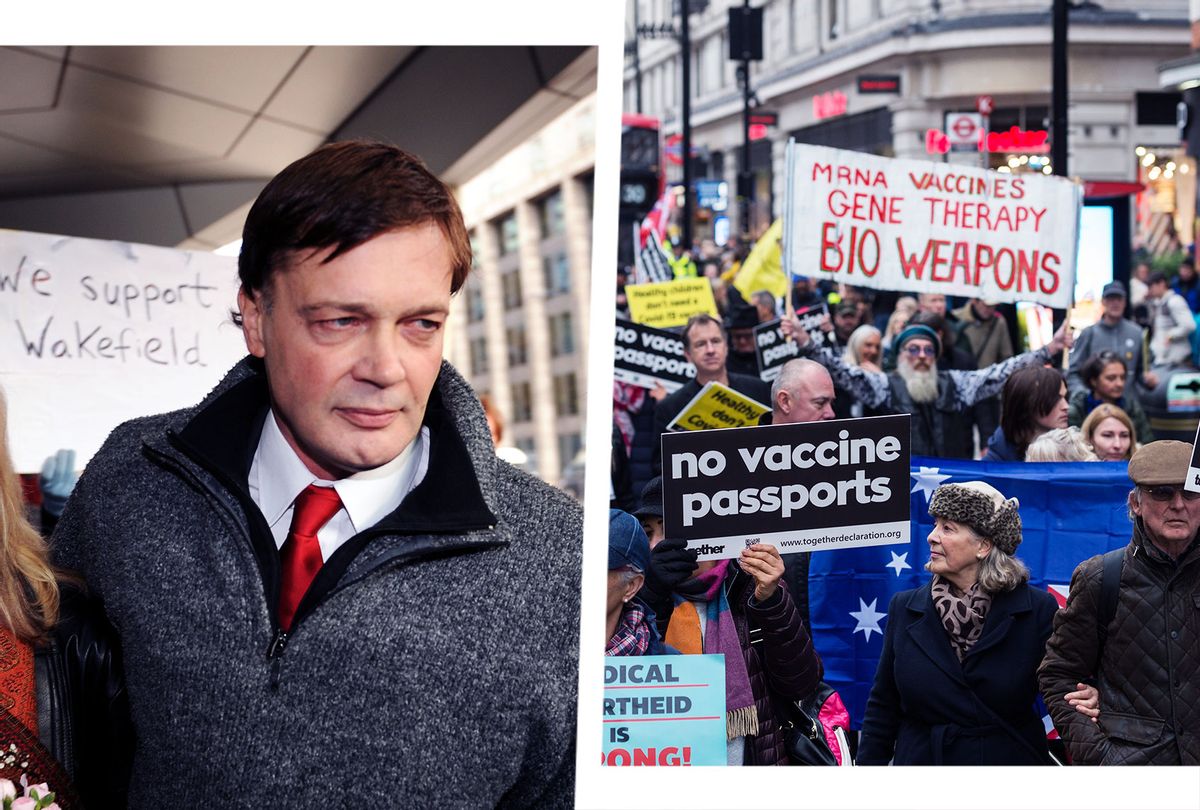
[(717, 406), (670, 303)]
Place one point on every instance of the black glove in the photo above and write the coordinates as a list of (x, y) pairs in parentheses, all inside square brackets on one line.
[(671, 562)]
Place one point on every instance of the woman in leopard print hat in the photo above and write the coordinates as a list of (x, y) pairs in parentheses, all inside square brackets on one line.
[(958, 674)]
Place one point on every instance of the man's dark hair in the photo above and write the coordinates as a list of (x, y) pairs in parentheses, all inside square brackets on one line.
[(1094, 366), (1156, 277), (1029, 394), (697, 320), (340, 196)]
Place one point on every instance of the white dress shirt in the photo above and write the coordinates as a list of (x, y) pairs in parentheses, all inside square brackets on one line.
[(277, 476)]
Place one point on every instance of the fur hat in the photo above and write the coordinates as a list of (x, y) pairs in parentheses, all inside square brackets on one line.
[(984, 509)]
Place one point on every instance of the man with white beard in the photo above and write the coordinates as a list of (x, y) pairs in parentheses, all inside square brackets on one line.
[(936, 399)]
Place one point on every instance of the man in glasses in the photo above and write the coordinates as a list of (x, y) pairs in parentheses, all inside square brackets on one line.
[(938, 399), (1130, 629)]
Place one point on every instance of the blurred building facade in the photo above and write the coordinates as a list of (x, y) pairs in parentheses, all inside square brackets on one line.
[(880, 76), (519, 327)]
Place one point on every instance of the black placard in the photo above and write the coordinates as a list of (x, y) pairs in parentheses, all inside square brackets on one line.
[(644, 355), (772, 349), (804, 487)]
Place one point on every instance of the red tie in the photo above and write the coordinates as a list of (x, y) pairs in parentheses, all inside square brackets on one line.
[(300, 556)]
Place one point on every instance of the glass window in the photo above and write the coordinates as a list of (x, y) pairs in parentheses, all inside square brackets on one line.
[(562, 335), (522, 403), (475, 301), (557, 272), (514, 337), (511, 283), (550, 215), (508, 234), (566, 396), (479, 358)]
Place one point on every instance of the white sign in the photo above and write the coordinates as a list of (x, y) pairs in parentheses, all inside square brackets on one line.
[(93, 333), (918, 226)]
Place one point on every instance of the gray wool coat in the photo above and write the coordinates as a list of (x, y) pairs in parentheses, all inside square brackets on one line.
[(433, 664)]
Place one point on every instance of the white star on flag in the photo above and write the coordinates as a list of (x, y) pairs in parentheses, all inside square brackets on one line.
[(928, 480), (867, 618), (899, 562)]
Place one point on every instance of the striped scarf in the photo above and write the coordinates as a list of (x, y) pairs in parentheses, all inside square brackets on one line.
[(720, 637)]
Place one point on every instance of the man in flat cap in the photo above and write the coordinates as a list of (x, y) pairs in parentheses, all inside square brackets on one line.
[(1130, 629)]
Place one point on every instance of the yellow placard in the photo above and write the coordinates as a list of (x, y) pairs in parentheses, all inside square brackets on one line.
[(717, 406), (670, 303)]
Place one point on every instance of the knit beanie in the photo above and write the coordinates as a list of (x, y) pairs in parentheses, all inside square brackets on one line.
[(919, 330), (984, 509)]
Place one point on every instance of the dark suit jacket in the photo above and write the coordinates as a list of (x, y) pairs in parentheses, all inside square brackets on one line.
[(926, 708), (672, 404)]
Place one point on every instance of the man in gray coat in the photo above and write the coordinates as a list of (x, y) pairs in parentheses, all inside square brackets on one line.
[(325, 582), (1115, 333)]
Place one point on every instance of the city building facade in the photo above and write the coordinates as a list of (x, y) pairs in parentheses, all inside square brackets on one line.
[(518, 329), (896, 77)]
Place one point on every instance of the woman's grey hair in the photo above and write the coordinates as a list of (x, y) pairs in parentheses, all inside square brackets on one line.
[(854, 343), (999, 571), (628, 572), (1060, 444)]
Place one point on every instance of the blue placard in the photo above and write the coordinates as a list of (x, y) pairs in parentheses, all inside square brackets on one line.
[(664, 710)]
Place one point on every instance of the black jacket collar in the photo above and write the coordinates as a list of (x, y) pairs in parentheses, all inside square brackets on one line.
[(223, 434)]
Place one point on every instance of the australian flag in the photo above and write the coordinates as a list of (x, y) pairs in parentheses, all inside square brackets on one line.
[(1069, 512)]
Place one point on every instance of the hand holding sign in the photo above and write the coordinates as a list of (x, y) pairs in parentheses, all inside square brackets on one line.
[(764, 563), (671, 562), (1063, 339), (792, 329)]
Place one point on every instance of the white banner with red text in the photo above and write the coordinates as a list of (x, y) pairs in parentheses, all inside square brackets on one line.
[(919, 226)]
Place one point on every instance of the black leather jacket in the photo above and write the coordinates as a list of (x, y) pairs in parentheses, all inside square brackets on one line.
[(82, 707)]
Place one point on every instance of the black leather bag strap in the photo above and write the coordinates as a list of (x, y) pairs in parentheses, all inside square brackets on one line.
[(1110, 585)]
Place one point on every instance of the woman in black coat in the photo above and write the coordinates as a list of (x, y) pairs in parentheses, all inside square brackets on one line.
[(957, 677)]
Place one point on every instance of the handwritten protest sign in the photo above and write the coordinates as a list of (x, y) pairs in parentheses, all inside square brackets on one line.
[(803, 487), (772, 350), (670, 303), (93, 333), (718, 406), (664, 710), (919, 226), (645, 356)]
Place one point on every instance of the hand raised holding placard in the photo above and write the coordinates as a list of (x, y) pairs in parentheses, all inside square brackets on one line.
[(1063, 339), (765, 565)]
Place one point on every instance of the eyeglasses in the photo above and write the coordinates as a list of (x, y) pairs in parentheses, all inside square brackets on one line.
[(1166, 493), (917, 351)]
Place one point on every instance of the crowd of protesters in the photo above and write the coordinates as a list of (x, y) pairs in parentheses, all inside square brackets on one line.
[(972, 393)]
